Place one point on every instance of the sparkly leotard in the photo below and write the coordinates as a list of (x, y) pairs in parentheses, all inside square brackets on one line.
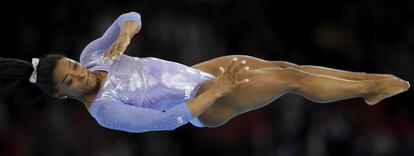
[(140, 94)]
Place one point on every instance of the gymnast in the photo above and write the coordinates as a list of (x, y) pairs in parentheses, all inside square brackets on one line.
[(135, 95)]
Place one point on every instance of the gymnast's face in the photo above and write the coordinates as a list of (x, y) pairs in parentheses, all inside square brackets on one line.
[(73, 79)]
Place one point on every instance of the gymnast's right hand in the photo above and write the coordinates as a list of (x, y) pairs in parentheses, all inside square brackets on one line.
[(128, 30), (118, 47), (227, 80)]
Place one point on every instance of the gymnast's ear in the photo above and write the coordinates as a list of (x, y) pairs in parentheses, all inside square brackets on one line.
[(60, 96)]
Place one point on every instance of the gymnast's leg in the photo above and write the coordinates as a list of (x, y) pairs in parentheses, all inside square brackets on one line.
[(268, 84), (255, 63)]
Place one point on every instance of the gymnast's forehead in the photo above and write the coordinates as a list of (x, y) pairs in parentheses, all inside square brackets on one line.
[(61, 69)]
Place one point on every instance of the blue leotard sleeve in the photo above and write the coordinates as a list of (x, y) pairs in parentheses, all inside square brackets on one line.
[(114, 114), (110, 35)]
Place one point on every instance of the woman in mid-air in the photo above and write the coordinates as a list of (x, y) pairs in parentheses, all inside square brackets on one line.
[(149, 94)]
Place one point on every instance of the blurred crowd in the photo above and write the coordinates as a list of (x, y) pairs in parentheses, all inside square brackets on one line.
[(365, 36)]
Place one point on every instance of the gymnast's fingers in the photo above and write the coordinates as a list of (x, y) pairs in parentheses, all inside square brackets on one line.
[(239, 66), (122, 49), (106, 54), (230, 66), (221, 70), (119, 50), (241, 71), (115, 51), (115, 55), (109, 53)]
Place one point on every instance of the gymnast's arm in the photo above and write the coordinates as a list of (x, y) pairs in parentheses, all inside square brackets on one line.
[(113, 114), (199, 104), (125, 26), (128, 30)]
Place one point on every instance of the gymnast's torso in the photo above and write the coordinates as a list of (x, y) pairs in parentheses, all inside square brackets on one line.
[(146, 82)]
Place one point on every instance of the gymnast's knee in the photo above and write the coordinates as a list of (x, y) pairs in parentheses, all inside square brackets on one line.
[(291, 77)]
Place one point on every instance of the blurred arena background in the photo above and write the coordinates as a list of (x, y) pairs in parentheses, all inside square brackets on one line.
[(365, 36)]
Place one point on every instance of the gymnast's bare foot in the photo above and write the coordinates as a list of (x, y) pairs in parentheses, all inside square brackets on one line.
[(386, 88)]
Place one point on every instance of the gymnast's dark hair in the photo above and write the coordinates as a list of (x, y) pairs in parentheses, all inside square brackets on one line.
[(14, 71)]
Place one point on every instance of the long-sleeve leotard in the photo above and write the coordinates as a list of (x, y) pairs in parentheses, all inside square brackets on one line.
[(140, 94)]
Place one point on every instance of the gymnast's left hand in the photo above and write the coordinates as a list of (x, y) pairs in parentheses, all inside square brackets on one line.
[(227, 80), (118, 47)]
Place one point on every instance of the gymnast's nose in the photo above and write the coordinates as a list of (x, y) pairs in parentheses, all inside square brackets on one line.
[(82, 75)]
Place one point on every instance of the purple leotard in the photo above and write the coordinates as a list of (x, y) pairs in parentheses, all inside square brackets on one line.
[(140, 94)]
